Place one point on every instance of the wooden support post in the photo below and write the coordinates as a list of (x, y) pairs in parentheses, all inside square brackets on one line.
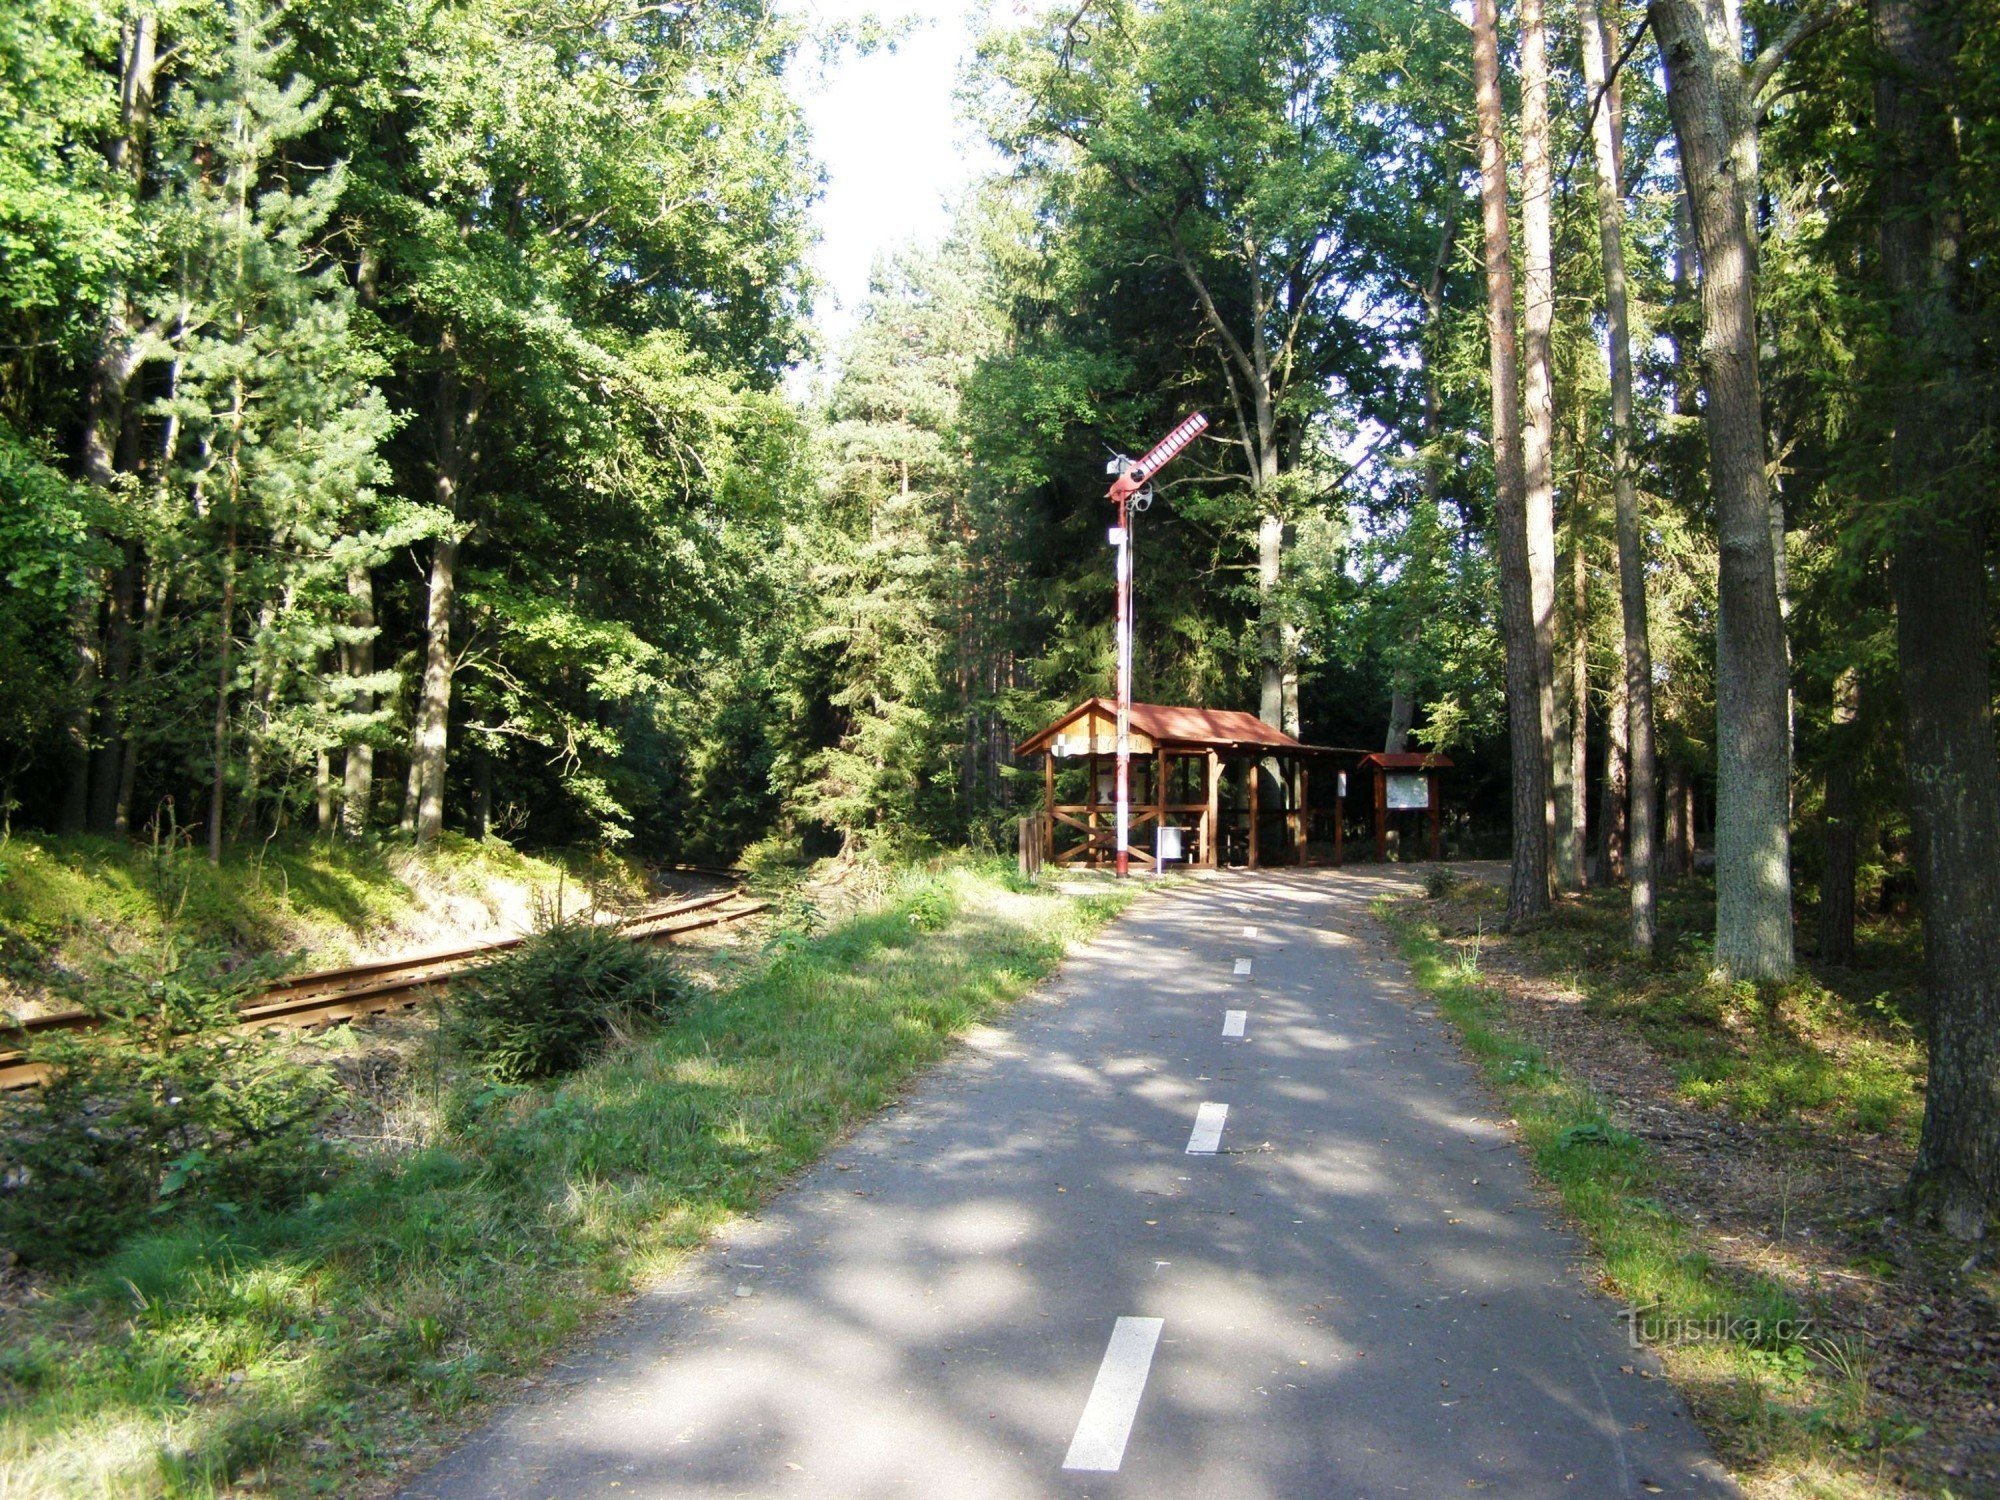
[(1090, 803), (1288, 783), (1049, 805), (1382, 817), (1437, 817), (1160, 777), (1211, 821), (1305, 812), (1256, 778)]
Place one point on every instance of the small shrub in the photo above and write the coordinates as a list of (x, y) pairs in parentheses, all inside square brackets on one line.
[(1440, 883), (163, 1108), (558, 1000), (931, 909)]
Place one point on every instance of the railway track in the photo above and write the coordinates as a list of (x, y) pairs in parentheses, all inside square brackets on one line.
[(328, 996)]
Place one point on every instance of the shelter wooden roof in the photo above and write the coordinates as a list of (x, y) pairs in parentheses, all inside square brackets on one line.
[(1175, 726)]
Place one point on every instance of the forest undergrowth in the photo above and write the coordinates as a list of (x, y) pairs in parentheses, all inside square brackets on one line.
[(477, 1225), (67, 903), (1735, 1154)]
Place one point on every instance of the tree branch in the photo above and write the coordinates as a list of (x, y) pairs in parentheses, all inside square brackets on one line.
[(1208, 307), (1805, 26), (1242, 422), (1597, 99)]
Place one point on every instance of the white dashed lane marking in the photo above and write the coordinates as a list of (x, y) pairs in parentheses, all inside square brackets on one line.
[(1232, 1022), (1207, 1129), (1242, 966), (1099, 1444)]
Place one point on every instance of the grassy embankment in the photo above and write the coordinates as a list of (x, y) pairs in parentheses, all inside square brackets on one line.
[(315, 1351), (67, 902), (1781, 1385)]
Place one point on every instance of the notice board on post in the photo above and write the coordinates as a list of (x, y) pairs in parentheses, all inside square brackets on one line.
[(1406, 791)]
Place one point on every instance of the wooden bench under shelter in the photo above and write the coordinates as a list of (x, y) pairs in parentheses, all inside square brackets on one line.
[(1240, 788)]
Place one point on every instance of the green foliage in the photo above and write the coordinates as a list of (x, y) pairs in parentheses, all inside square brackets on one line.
[(931, 909), (46, 553), (315, 235), (1257, 260), (63, 229), (559, 999), (163, 1109)]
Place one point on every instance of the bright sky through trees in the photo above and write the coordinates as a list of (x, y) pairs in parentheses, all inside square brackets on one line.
[(895, 153)]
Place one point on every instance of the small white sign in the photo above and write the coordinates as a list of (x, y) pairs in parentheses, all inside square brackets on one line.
[(1117, 536)]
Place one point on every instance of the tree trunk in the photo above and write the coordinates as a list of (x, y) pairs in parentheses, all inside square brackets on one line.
[(423, 808), (1690, 824), (1538, 437), (1839, 823), (1270, 630), (106, 420), (1528, 883), (156, 586), (482, 789), (1402, 712), (264, 672), (1290, 637), (1938, 574), (1611, 811), (1402, 691), (1715, 127), (219, 776), (323, 792), (1576, 739), (84, 673), (358, 773), (114, 692), (1641, 854), (1679, 850)]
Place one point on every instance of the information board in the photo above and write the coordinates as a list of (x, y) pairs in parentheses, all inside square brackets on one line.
[(1409, 791)]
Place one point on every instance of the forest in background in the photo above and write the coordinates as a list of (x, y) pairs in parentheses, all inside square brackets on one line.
[(395, 436)]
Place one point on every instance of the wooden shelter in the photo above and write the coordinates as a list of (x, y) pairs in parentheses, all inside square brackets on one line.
[(1184, 761), (1406, 781)]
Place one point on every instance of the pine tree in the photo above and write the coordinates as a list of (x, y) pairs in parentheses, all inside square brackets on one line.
[(275, 425)]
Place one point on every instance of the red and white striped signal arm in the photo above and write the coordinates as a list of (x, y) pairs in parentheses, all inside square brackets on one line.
[(1161, 454)]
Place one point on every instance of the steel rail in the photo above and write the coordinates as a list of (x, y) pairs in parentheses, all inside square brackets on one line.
[(327, 996)]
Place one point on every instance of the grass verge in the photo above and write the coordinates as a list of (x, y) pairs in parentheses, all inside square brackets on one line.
[(1835, 1049), (320, 1351), (1791, 1413)]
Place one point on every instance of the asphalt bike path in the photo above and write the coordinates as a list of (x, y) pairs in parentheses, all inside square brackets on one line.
[(1219, 1211)]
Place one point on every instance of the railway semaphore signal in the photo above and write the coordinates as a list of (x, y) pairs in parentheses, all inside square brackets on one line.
[(1131, 480)]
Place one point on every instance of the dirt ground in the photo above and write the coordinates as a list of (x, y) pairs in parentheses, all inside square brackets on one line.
[(1808, 1203)]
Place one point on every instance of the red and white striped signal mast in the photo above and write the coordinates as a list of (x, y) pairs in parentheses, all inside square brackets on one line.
[(1130, 484)]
